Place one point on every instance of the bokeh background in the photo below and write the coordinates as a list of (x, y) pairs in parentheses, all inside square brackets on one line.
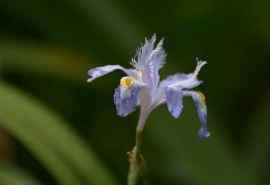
[(55, 129)]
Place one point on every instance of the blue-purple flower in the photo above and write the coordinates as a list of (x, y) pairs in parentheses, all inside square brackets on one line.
[(142, 86)]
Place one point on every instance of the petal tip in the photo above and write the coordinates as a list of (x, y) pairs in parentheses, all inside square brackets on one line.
[(200, 64), (89, 80), (175, 115), (176, 112), (121, 114), (204, 133)]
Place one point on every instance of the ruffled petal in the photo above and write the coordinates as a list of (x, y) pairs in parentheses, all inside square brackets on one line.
[(103, 70), (126, 99), (199, 100), (174, 100), (149, 60), (143, 53)]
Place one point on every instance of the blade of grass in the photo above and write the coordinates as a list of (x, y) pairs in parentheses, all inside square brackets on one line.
[(103, 15), (25, 56), (113, 19), (17, 126), (54, 164), (37, 119), (10, 175)]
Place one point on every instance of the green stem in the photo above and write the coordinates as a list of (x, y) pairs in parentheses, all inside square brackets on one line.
[(135, 158)]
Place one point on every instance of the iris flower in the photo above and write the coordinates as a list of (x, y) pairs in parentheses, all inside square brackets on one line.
[(142, 86)]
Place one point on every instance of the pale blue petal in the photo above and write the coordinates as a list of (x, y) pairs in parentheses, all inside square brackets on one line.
[(103, 70), (144, 52), (201, 108), (126, 100), (173, 79), (155, 63), (174, 100), (159, 96), (184, 81), (150, 59)]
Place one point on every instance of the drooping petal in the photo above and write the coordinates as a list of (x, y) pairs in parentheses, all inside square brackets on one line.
[(184, 81), (103, 70), (150, 59), (174, 100), (126, 99), (159, 97), (200, 104)]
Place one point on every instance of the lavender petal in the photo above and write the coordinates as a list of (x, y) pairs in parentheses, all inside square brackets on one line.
[(103, 70), (200, 104), (174, 101), (126, 100)]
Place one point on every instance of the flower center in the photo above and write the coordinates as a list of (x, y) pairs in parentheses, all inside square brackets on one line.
[(127, 82)]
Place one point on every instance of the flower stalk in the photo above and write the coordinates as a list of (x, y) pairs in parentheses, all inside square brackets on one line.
[(135, 157), (136, 162)]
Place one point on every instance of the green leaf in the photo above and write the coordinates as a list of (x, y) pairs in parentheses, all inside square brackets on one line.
[(17, 126), (49, 138), (116, 22), (10, 175), (26, 56)]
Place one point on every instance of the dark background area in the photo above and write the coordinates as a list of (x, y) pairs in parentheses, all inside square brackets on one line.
[(46, 48)]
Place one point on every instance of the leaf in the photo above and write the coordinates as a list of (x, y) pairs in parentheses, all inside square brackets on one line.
[(26, 56), (103, 15), (116, 21), (49, 138), (17, 126), (10, 175)]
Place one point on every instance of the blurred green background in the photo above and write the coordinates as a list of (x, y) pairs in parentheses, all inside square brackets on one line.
[(55, 129)]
